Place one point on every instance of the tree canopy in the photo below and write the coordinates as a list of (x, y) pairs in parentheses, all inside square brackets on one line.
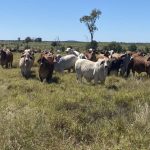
[(90, 21), (39, 39)]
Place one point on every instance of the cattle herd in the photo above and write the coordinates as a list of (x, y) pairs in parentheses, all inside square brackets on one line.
[(91, 65)]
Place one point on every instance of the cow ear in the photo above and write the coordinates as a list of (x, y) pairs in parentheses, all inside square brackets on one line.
[(22, 56), (148, 59), (131, 58), (123, 56), (31, 57), (39, 60), (102, 62), (54, 60)]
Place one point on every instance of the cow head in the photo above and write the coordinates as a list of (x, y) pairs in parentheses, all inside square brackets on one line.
[(69, 50), (57, 58), (46, 59), (82, 56), (104, 63), (27, 57)]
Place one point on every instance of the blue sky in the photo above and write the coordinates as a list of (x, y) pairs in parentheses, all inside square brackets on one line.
[(121, 20)]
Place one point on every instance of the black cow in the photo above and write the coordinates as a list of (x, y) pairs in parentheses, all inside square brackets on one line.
[(120, 64)]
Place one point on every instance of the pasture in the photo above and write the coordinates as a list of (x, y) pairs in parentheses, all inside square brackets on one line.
[(65, 115)]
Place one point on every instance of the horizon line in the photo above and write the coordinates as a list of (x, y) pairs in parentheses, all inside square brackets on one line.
[(81, 41)]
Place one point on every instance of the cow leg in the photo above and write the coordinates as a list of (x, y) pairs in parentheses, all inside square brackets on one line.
[(117, 72), (22, 72), (27, 75), (48, 79), (41, 79), (6, 65), (44, 80), (69, 70), (133, 72), (88, 80), (73, 68), (95, 79), (2, 65), (10, 65), (128, 72), (103, 82), (79, 78)]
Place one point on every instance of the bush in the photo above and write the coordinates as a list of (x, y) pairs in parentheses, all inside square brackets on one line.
[(114, 46), (93, 45), (28, 39), (54, 44), (62, 48), (38, 39), (27, 47), (147, 49), (132, 47)]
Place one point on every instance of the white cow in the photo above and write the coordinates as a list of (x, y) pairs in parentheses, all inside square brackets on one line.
[(82, 56), (65, 62), (72, 51), (25, 64), (91, 70)]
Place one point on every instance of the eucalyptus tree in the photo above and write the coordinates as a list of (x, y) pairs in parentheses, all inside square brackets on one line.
[(90, 21)]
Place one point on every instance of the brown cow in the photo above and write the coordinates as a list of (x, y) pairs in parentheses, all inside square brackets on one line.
[(135, 54), (139, 64), (6, 58), (95, 57), (46, 66), (91, 56)]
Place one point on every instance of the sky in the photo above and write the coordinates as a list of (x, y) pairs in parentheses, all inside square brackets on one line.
[(121, 20)]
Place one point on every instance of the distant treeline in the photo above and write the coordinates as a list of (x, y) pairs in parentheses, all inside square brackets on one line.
[(39, 45)]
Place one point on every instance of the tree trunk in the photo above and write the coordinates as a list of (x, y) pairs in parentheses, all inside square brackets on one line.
[(91, 37)]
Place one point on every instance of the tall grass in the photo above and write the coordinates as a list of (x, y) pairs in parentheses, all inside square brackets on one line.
[(67, 115)]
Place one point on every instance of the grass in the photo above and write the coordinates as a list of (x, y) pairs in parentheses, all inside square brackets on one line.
[(65, 115)]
